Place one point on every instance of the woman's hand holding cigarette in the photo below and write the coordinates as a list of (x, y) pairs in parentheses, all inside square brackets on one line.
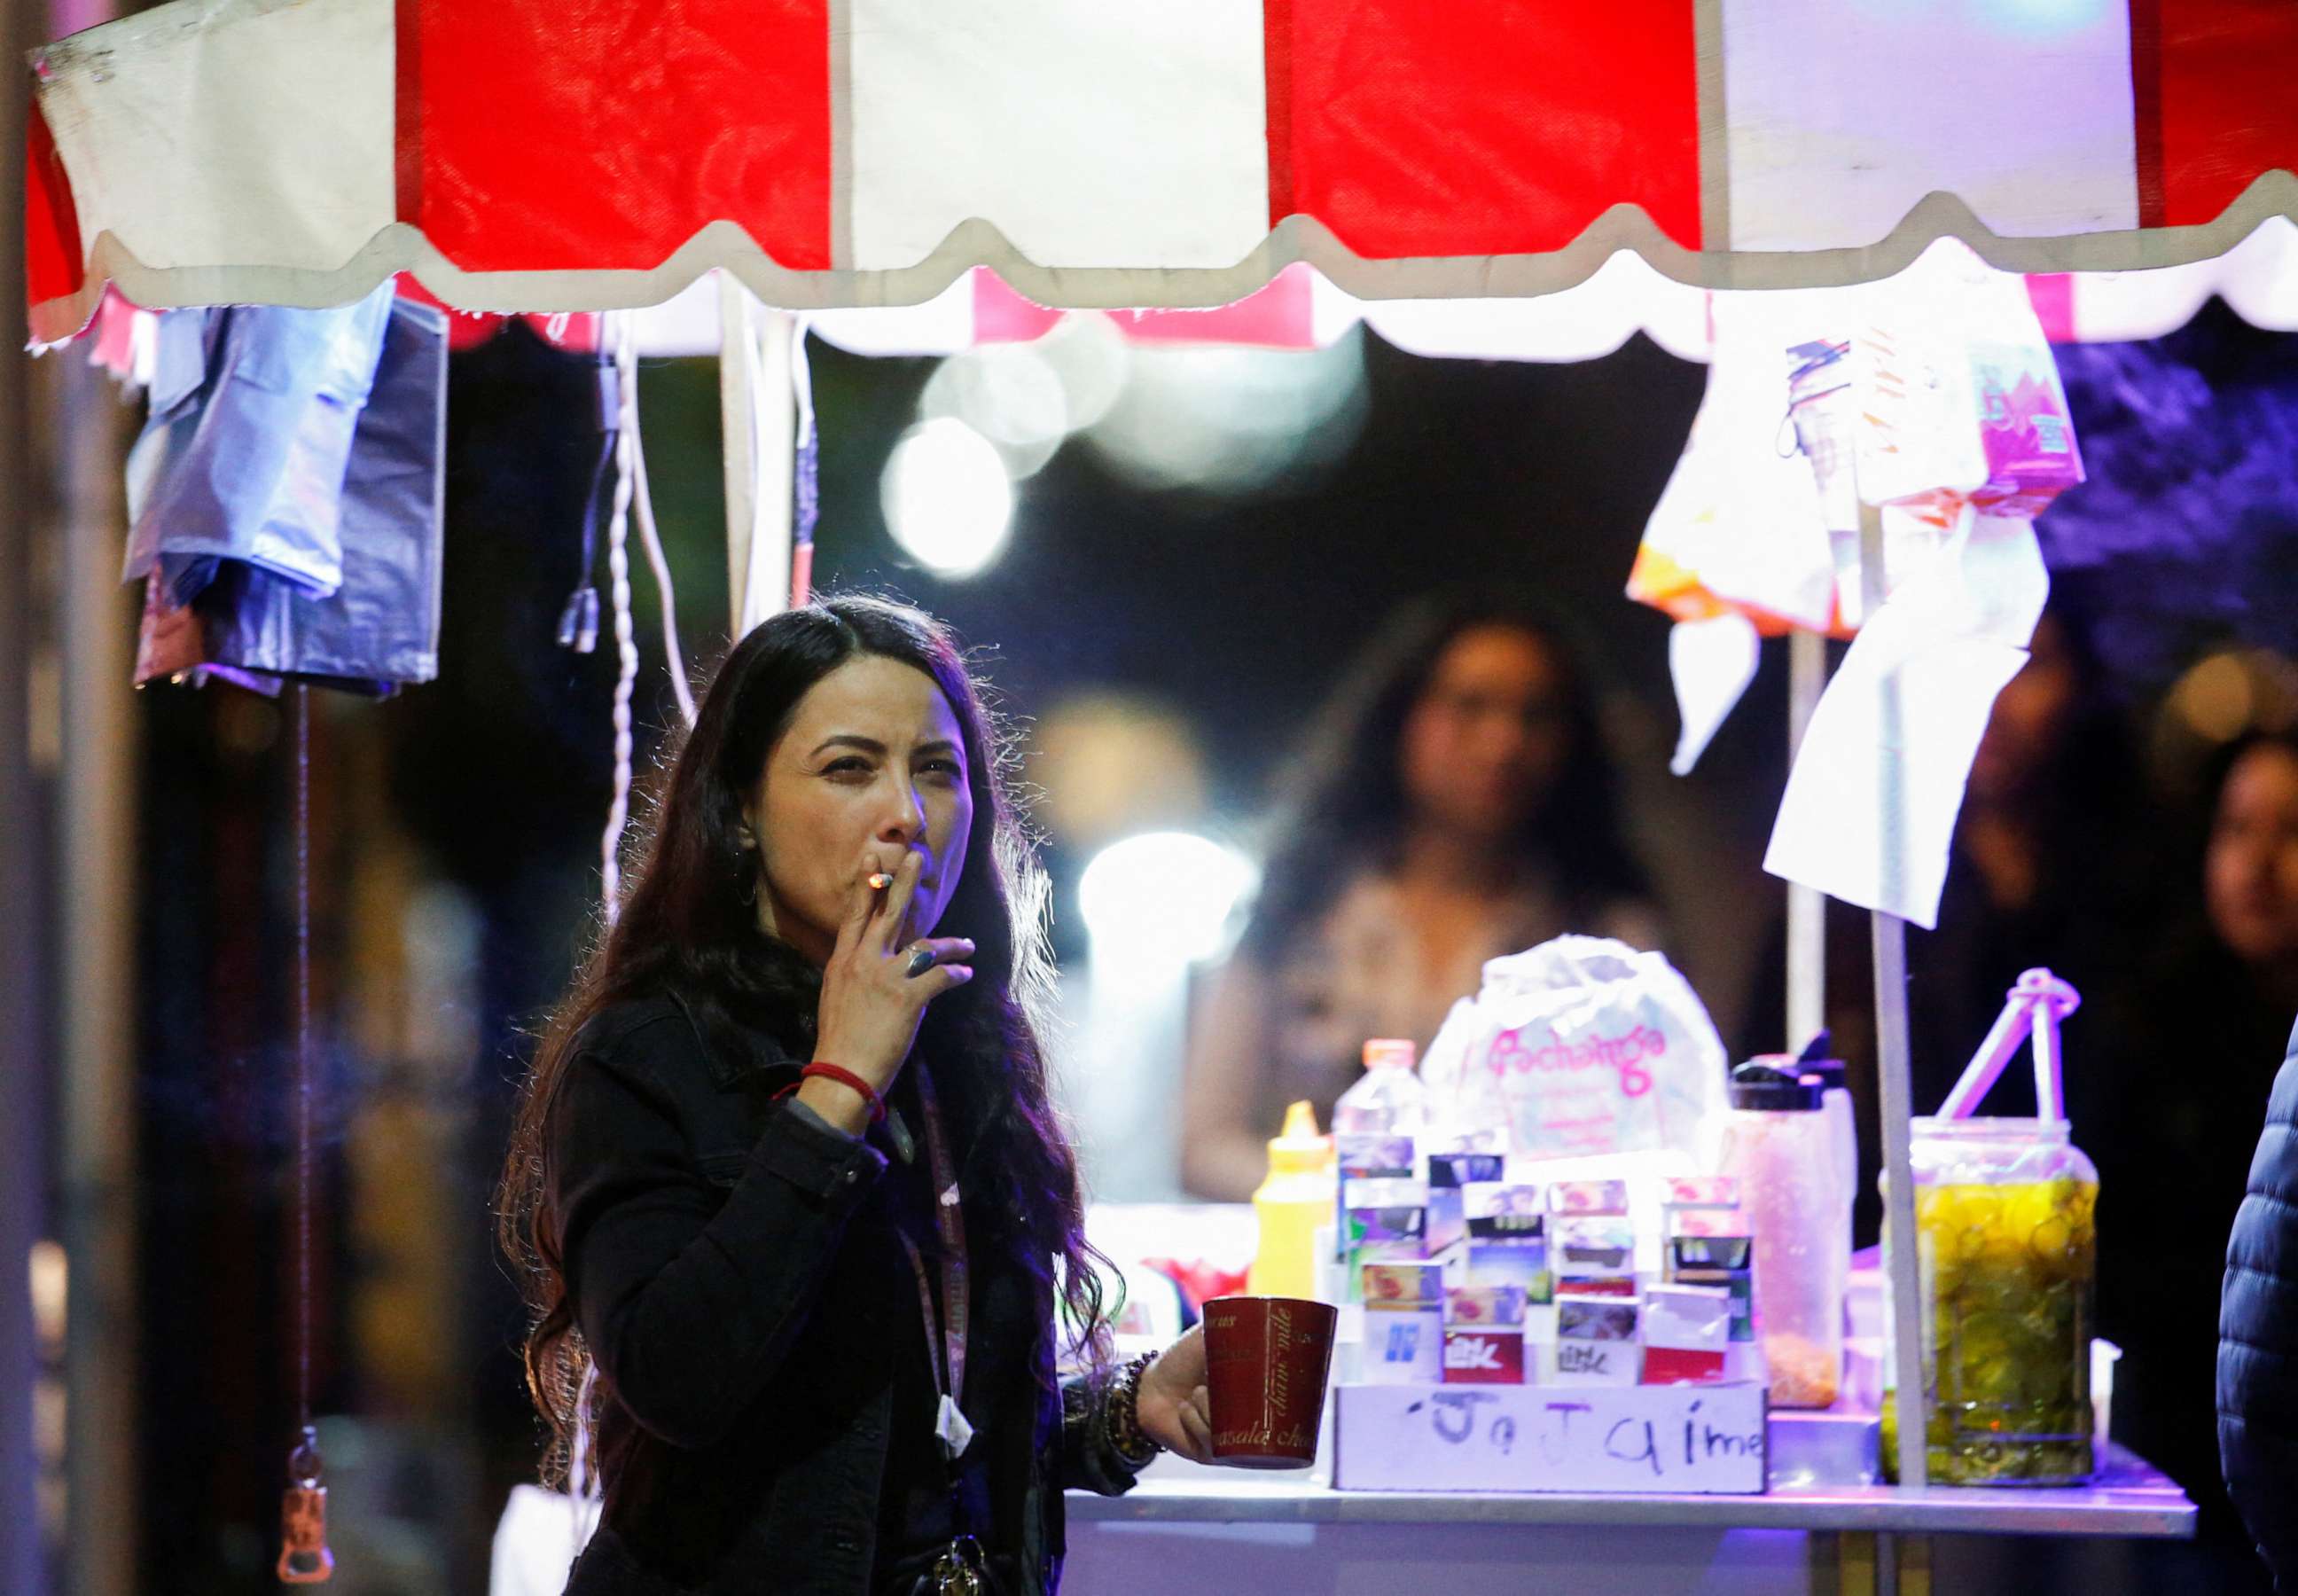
[(871, 1004)]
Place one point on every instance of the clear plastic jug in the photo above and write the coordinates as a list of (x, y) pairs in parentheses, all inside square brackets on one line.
[(1780, 1146)]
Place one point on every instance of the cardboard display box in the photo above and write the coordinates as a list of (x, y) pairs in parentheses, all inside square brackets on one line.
[(1706, 1440)]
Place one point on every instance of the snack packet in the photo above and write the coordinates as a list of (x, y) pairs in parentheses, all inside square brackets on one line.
[(1589, 1046)]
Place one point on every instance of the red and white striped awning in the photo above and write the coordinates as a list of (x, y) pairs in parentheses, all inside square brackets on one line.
[(575, 154)]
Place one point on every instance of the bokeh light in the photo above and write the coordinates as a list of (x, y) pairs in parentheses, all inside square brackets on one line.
[(1163, 896), (946, 498), (1114, 763), (1234, 420), (1008, 393), (2215, 698)]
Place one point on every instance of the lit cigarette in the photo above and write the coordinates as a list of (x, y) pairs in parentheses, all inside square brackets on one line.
[(879, 880)]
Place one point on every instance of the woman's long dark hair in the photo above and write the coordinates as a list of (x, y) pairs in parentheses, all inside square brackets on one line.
[(686, 927), (1344, 799)]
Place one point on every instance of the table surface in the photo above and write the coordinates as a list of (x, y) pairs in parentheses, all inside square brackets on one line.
[(2128, 1498)]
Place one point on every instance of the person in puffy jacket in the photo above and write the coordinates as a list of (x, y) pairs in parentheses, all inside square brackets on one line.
[(2258, 1340)]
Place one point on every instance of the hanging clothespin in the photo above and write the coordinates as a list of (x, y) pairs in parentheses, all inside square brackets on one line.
[(2031, 1012)]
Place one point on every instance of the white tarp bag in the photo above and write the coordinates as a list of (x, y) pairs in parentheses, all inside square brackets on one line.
[(536, 1541), (1585, 1047), (541, 1530)]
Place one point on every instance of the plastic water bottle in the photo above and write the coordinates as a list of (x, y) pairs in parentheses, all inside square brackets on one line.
[(1389, 1100)]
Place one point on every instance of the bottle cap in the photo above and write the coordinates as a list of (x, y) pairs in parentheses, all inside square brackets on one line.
[(1388, 1053), (1300, 1148), (1830, 1070), (1762, 1086)]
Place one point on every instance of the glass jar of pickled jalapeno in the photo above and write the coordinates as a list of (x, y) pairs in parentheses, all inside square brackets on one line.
[(2006, 1248)]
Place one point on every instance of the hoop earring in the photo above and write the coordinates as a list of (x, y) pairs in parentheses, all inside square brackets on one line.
[(746, 873)]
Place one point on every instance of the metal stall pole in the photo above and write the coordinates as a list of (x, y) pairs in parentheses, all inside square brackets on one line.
[(93, 876), (1896, 1094), (1806, 905), (23, 1012), (96, 1104)]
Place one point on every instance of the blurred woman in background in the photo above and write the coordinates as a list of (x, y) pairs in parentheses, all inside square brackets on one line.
[(1454, 803), (2251, 871)]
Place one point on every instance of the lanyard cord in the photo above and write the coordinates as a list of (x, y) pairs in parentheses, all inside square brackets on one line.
[(945, 1351)]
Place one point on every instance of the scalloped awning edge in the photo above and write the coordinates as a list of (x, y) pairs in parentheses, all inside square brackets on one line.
[(725, 246)]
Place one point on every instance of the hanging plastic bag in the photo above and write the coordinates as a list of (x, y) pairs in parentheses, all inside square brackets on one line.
[(1959, 397), (1740, 528), (1587, 1047)]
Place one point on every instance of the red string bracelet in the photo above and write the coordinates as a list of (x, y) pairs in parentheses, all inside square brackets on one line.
[(845, 1077)]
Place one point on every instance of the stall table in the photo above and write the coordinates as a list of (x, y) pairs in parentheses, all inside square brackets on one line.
[(1189, 1528)]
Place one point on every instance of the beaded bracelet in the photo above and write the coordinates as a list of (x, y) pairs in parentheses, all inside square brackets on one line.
[(1122, 1417)]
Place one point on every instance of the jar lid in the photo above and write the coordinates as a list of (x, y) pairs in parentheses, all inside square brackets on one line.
[(1759, 1086), (1989, 1128)]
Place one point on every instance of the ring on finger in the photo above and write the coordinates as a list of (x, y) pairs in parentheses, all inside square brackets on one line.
[(921, 959)]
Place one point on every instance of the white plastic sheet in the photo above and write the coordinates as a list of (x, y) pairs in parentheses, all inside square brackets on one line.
[(1871, 805)]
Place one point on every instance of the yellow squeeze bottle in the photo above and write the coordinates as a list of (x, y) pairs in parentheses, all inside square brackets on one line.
[(1292, 1204)]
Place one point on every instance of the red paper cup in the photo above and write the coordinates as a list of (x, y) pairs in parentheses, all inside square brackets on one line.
[(1266, 1359)]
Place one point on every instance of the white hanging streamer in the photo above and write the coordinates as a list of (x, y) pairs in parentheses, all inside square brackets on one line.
[(631, 491), (642, 499), (771, 345), (802, 380), (618, 569)]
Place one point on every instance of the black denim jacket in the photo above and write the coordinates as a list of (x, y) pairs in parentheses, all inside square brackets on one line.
[(745, 1328)]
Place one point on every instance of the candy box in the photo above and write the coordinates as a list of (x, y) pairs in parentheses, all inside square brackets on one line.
[(1699, 1191), (1393, 1287), (1516, 1263), (1383, 1220), (1687, 1331), (1447, 1174), (1385, 1211), (1490, 1138), (1403, 1347), (1588, 1196), (1483, 1355), (1724, 1260), (1491, 1306), (1453, 1170), (1495, 1208), (1708, 1221), (1596, 1341), (1595, 1255), (1360, 1159), (1355, 1156)]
